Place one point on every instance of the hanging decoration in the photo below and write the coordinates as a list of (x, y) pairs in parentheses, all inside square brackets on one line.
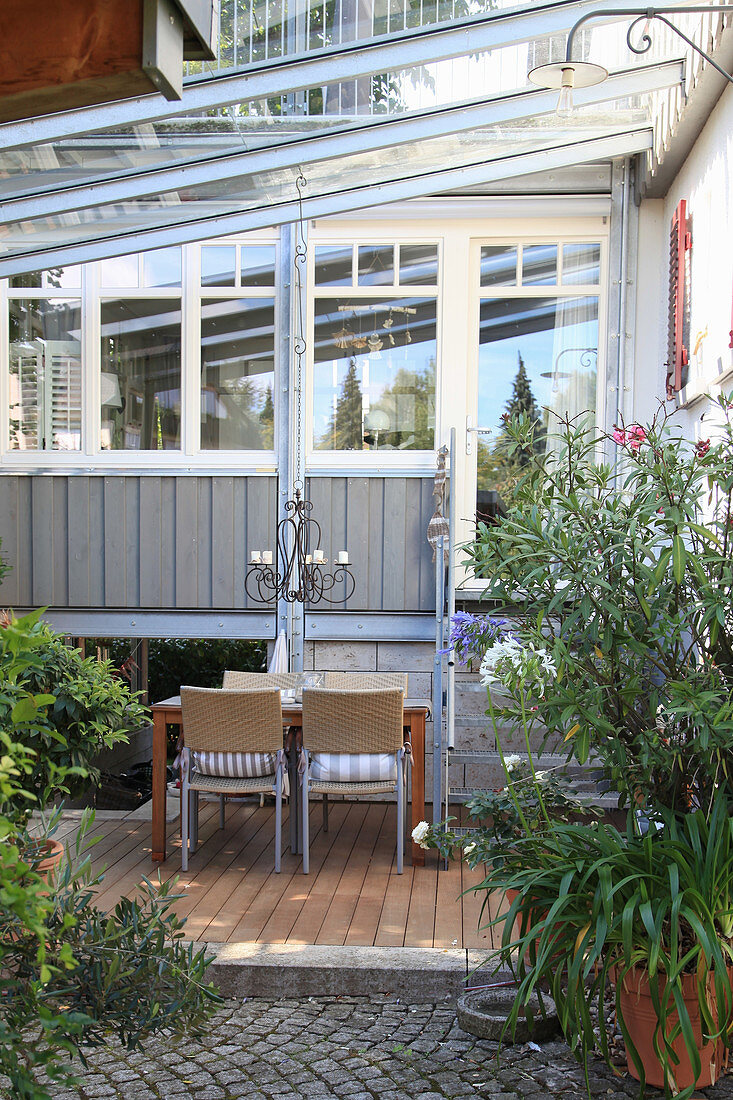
[(299, 572)]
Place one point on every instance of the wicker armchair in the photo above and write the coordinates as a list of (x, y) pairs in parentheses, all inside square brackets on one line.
[(366, 681), (258, 681), (353, 743), (233, 746)]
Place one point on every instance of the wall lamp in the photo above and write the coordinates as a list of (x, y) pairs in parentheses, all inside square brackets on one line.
[(568, 74)]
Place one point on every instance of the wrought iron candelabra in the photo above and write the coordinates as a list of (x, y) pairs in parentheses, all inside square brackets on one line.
[(303, 578)]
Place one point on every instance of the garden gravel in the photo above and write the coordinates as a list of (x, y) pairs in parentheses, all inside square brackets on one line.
[(353, 1048)]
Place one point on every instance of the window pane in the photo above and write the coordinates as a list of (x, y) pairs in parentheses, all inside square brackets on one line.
[(498, 265), (333, 266), (536, 356), (162, 267), (258, 265), (122, 271), (141, 375), (56, 278), (581, 264), (418, 264), (45, 375), (374, 374), (218, 263), (376, 265), (237, 374), (539, 265)]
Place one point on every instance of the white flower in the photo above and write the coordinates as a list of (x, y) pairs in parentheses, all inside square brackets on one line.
[(420, 832), (513, 761), (541, 776), (468, 849)]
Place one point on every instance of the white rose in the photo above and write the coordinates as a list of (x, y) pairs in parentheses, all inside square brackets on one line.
[(420, 832), (468, 849), (511, 762)]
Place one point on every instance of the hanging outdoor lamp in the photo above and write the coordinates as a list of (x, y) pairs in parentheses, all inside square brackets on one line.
[(570, 73), (298, 570)]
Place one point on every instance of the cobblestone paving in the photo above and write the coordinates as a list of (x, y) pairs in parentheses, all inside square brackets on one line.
[(353, 1048)]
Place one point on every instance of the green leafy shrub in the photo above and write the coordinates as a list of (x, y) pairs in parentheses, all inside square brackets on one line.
[(62, 706), (625, 576), (71, 975)]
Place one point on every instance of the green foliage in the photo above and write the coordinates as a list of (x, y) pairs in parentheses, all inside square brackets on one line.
[(500, 818), (71, 976), (593, 903), (62, 707), (200, 662), (626, 579)]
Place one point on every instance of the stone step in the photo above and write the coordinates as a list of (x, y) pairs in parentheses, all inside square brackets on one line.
[(273, 970)]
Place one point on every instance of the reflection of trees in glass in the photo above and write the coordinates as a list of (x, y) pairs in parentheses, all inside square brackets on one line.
[(410, 405), (498, 468), (267, 421), (345, 431)]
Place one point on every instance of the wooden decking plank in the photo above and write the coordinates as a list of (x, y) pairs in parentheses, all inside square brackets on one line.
[(335, 927), (280, 925), (316, 905), (472, 902), (449, 931), (247, 845), (382, 868), (259, 912), (126, 875), (396, 907), (247, 887), (420, 930)]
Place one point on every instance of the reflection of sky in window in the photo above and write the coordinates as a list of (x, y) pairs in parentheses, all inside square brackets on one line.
[(548, 350), (162, 267)]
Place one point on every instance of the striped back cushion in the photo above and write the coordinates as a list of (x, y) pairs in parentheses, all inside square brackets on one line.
[(236, 765), (353, 767)]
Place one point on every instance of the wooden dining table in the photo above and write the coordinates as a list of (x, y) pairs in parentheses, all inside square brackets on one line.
[(168, 713)]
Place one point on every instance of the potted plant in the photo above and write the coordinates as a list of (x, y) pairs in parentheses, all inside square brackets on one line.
[(645, 919)]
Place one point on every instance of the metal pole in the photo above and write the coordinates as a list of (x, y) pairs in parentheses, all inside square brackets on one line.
[(438, 680), (451, 684)]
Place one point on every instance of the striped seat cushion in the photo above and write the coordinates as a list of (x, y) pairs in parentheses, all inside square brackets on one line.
[(353, 767), (235, 764)]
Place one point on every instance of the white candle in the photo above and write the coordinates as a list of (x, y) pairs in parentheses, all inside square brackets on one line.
[(255, 557), (319, 556), (267, 557), (343, 557), (308, 559)]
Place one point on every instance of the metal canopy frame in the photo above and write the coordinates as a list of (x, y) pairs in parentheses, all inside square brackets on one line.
[(336, 143), (622, 144), (330, 65)]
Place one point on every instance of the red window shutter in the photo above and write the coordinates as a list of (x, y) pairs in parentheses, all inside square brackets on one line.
[(680, 242)]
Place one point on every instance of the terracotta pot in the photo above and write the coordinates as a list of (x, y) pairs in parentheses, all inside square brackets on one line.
[(641, 1020), (45, 864)]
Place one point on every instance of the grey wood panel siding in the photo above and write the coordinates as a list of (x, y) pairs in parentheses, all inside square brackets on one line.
[(132, 542), (383, 523)]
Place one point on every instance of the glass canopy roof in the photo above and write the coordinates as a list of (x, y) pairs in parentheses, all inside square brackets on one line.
[(370, 100)]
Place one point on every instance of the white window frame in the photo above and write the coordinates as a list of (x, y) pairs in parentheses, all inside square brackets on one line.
[(567, 231), (393, 232), (190, 458)]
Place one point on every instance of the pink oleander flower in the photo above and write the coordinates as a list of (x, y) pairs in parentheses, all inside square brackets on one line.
[(702, 447), (636, 436), (619, 436)]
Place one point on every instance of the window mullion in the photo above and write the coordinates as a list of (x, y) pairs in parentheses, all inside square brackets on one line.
[(191, 349)]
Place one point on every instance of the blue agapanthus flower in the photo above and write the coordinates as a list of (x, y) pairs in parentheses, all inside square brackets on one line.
[(471, 635)]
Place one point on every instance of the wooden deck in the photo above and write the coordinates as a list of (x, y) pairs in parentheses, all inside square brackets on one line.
[(352, 895)]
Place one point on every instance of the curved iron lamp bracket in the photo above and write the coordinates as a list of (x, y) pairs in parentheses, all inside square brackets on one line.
[(643, 15)]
